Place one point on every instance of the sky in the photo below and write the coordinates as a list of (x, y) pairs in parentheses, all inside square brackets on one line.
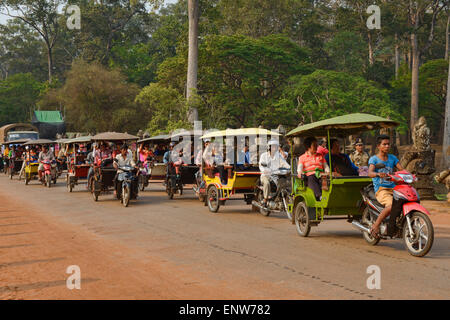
[(4, 18)]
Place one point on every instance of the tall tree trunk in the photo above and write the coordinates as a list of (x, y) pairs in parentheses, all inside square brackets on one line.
[(371, 58), (446, 143), (397, 57), (414, 81), (191, 87), (447, 35), (50, 63)]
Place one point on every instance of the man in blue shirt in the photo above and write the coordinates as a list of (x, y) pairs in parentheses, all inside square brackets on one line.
[(383, 187), (244, 165)]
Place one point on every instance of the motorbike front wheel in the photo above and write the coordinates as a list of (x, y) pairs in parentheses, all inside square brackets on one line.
[(126, 195), (420, 241), (48, 181)]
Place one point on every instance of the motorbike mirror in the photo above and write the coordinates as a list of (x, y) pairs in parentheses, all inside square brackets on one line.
[(380, 166)]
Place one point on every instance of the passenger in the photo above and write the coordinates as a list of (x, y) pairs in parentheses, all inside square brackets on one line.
[(103, 156), (383, 188), (269, 163), (312, 165), (341, 163), (360, 157), (244, 164), (45, 155), (322, 147), (214, 160)]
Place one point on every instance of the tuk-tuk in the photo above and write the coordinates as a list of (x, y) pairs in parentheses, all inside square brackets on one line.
[(341, 198), (77, 167), (155, 169), (32, 166), (14, 165), (103, 178), (239, 179)]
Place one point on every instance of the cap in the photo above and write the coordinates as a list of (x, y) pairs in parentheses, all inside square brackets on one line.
[(207, 140), (359, 141), (273, 142), (172, 144)]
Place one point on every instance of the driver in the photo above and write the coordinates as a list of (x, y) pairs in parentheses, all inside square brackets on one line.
[(269, 163), (123, 159), (383, 188), (45, 155)]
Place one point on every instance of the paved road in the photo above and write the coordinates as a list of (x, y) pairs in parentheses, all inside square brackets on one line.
[(192, 253)]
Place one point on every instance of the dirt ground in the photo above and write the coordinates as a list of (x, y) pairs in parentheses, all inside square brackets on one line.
[(161, 249)]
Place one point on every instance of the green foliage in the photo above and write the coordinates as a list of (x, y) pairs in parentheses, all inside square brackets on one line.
[(240, 78), (165, 107), (347, 52), (325, 94), (97, 100), (18, 96)]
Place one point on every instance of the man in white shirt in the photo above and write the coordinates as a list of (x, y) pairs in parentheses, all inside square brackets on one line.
[(44, 155), (269, 164)]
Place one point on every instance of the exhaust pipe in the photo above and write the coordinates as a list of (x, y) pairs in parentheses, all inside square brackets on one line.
[(258, 205), (359, 226)]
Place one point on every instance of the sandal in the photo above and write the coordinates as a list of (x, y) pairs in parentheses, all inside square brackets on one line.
[(374, 234)]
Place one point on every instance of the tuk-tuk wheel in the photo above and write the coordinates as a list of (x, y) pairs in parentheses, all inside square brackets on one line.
[(27, 179), (302, 219), (212, 199)]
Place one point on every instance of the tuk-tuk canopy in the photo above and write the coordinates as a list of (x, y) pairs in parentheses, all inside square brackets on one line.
[(161, 137), (349, 124), (86, 139), (15, 142), (62, 141), (39, 142), (114, 136), (240, 132)]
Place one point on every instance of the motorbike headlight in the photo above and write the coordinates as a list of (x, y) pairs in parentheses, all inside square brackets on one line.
[(408, 178)]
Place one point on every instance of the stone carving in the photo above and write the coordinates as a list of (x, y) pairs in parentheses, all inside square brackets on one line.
[(444, 178), (419, 159)]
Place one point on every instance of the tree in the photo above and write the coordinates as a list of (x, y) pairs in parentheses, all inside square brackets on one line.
[(446, 143), (18, 96), (97, 100), (326, 94), (191, 85), (165, 107), (42, 16), (346, 52), (21, 51)]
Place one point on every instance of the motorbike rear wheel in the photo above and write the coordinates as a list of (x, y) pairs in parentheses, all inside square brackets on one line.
[(423, 230)]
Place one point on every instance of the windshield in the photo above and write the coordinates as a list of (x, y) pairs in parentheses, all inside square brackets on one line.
[(22, 135)]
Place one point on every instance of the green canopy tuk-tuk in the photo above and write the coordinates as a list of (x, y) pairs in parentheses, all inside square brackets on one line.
[(341, 198)]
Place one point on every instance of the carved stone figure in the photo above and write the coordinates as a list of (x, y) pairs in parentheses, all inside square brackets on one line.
[(419, 159), (421, 135), (444, 178)]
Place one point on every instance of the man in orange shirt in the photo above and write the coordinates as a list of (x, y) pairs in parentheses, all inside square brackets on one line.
[(312, 165)]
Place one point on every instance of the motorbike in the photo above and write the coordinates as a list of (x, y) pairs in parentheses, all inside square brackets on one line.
[(50, 174), (280, 194), (408, 219), (127, 185)]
